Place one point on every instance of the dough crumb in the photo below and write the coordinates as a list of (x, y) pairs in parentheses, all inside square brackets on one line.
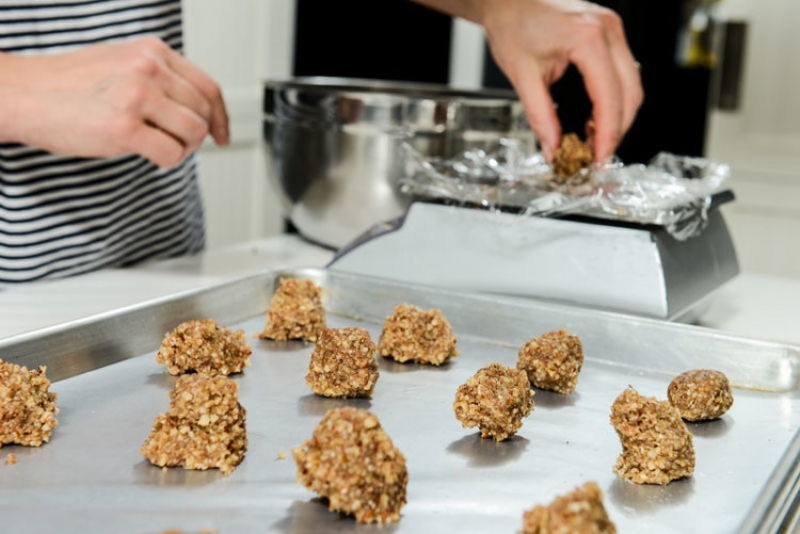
[(204, 427), (552, 361), (571, 157), (578, 512), (495, 399), (295, 311), (656, 444), (205, 347), (701, 394), (351, 461), (412, 334), (343, 364), (27, 406)]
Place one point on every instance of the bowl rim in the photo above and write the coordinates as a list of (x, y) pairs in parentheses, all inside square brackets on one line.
[(359, 87)]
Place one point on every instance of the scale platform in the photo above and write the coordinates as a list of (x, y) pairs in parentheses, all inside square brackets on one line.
[(634, 269)]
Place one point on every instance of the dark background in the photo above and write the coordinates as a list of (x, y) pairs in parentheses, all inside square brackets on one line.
[(400, 40), (377, 39)]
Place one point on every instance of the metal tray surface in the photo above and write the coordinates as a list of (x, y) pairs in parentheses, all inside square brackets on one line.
[(91, 477)]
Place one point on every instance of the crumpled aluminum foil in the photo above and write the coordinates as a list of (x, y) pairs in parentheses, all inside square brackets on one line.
[(670, 191)]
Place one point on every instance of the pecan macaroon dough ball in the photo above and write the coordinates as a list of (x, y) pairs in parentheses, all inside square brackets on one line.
[(552, 361), (701, 394), (656, 444), (343, 363), (27, 407), (579, 512), (351, 461), (571, 157), (412, 334), (204, 427), (295, 311), (495, 399), (205, 347)]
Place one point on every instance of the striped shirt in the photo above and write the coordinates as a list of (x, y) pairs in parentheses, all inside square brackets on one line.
[(63, 216)]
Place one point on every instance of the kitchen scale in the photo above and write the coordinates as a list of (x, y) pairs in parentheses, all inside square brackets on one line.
[(623, 267)]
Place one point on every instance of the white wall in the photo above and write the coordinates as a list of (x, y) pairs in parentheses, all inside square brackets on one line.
[(240, 43), (467, 47), (761, 140)]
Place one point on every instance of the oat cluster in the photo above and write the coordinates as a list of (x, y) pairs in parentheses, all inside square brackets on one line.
[(552, 361), (701, 394), (495, 399), (578, 512), (351, 461), (571, 157), (205, 347), (204, 427), (411, 334), (27, 407), (343, 363), (656, 445), (295, 311)]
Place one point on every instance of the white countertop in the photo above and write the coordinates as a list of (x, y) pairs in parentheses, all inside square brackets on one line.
[(756, 306)]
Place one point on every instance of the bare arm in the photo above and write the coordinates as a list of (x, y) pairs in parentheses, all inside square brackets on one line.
[(534, 41), (110, 99)]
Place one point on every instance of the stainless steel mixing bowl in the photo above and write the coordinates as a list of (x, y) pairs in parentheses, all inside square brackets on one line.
[(336, 144)]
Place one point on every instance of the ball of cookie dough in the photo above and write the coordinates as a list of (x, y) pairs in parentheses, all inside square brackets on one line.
[(656, 444), (701, 394), (343, 363), (205, 347), (204, 427), (295, 311), (495, 399), (572, 156), (578, 512), (351, 461), (411, 334), (27, 406), (552, 361)]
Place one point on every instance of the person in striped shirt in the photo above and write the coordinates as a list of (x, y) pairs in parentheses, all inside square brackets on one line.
[(100, 115)]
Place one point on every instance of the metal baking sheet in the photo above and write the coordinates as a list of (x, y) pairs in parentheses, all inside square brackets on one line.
[(91, 477)]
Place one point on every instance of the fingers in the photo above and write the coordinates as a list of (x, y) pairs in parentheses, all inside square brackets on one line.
[(559, 32), (627, 69), (535, 96), (179, 90), (143, 114), (210, 91), (137, 97), (180, 122), (611, 77), (159, 130), (156, 145), (183, 82), (604, 87)]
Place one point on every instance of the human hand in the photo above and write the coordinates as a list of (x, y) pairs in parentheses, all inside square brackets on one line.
[(111, 99), (534, 41)]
